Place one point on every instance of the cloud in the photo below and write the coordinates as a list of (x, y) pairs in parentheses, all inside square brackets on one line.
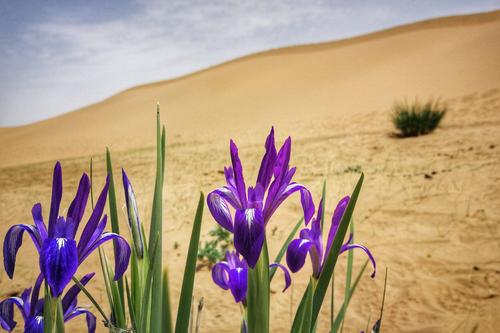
[(74, 57)]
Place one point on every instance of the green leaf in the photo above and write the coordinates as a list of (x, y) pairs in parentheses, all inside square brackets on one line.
[(156, 230), (282, 251), (113, 212), (258, 294), (167, 308), (347, 292), (331, 259), (48, 322), (147, 289), (341, 315), (186, 297)]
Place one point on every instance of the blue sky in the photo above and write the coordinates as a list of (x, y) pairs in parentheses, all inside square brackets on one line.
[(56, 56)]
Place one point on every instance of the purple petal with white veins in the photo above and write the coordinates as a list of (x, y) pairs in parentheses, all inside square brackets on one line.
[(91, 319), (56, 198), (220, 211), (296, 254), (77, 206), (238, 283), (58, 263), (249, 234), (94, 219), (34, 325), (288, 278), (36, 212), (220, 274), (336, 218), (348, 247), (238, 174), (122, 253), (13, 241)]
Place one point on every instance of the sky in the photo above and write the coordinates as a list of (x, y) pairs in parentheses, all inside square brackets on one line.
[(57, 56)]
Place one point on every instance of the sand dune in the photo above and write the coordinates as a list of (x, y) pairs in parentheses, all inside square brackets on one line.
[(438, 234), (445, 57)]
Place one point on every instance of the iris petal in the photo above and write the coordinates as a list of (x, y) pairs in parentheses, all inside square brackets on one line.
[(347, 247), (91, 320), (34, 325), (77, 206), (296, 254), (249, 234), (220, 274), (267, 164), (238, 283), (13, 241), (36, 212), (288, 279), (238, 174), (56, 198), (336, 218), (58, 263), (220, 211), (122, 251)]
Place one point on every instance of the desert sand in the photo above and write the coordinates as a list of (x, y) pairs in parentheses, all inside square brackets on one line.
[(430, 206)]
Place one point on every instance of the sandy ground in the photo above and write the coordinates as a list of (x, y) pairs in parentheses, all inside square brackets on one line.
[(438, 234)]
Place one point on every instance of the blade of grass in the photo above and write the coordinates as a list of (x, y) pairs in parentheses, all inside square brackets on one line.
[(282, 251), (113, 212), (167, 308), (348, 278), (144, 316), (331, 259), (157, 229), (186, 297), (341, 315)]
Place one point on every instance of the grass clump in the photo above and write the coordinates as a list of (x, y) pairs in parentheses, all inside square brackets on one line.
[(414, 119), (214, 249)]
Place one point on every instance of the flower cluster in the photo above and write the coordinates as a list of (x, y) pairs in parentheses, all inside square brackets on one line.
[(60, 254), (254, 206)]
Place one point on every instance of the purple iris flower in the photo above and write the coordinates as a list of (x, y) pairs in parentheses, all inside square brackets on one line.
[(255, 206), (60, 255), (232, 274), (31, 308), (310, 241)]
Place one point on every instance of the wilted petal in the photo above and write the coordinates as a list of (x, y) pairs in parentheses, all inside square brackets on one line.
[(220, 211), (122, 251), (56, 197), (13, 241), (249, 234), (91, 320), (238, 283), (347, 247), (238, 174), (77, 206), (58, 262), (296, 254), (267, 164), (69, 300), (34, 325), (220, 274), (336, 218), (36, 212), (288, 279)]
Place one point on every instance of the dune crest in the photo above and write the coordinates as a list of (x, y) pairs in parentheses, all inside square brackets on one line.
[(445, 57)]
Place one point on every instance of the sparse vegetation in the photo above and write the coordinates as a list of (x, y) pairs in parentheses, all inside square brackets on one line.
[(414, 119), (214, 249)]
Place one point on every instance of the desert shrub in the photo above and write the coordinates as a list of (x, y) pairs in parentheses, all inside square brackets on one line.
[(214, 250), (414, 119)]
